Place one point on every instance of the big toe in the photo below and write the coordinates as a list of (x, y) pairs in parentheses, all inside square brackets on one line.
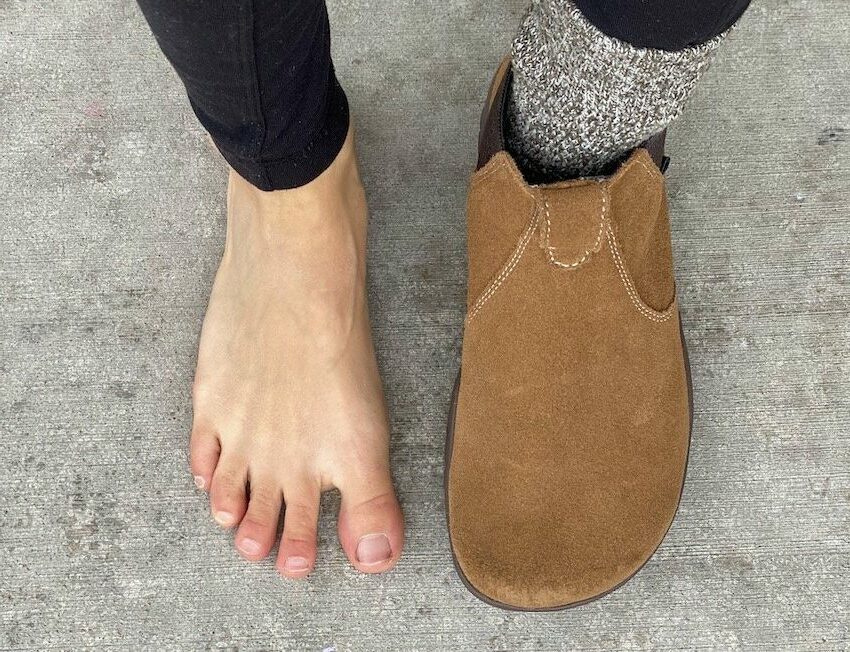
[(371, 527)]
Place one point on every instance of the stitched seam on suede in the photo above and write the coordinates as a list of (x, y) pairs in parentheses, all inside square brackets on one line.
[(508, 268), (649, 171), (502, 163), (550, 250), (645, 310), (486, 173), (636, 160)]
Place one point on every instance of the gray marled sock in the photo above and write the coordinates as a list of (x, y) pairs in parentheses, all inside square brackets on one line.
[(581, 99)]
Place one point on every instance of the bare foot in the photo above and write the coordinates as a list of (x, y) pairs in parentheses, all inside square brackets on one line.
[(287, 398)]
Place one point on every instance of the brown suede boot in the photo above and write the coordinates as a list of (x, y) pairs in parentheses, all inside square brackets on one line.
[(570, 424)]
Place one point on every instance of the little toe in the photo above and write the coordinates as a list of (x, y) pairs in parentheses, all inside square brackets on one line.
[(204, 450), (228, 492), (257, 530), (371, 527), (297, 554)]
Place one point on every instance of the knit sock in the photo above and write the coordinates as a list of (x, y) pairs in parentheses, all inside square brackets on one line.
[(581, 100)]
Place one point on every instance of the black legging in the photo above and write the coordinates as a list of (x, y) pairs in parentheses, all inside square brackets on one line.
[(260, 78), (663, 24)]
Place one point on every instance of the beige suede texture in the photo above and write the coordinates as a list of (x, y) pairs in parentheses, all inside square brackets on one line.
[(572, 419)]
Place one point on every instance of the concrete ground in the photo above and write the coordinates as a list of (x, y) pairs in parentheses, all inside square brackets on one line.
[(113, 215)]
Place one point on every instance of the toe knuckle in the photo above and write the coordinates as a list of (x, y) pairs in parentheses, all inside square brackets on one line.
[(229, 482), (256, 522), (202, 452), (300, 521), (263, 503)]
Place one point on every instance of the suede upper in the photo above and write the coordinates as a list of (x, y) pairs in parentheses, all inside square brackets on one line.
[(572, 423)]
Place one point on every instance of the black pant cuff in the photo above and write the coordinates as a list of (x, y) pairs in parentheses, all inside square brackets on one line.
[(301, 167), (663, 24)]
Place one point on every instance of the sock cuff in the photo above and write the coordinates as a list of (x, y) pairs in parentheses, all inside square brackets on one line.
[(562, 30), (581, 98)]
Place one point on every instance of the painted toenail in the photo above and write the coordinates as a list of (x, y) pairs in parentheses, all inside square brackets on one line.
[(200, 483), (249, 547), (373, 549), (296, 565), (224, 518)]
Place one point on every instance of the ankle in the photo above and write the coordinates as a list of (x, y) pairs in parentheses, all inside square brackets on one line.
[(329, 213)]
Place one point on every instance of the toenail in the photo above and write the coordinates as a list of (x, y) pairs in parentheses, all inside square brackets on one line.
[(224, 518), (296, 565), (200, 483), (373, 549), (249, 547)]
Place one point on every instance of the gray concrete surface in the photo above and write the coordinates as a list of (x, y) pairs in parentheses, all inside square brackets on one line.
[(112, 206)]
